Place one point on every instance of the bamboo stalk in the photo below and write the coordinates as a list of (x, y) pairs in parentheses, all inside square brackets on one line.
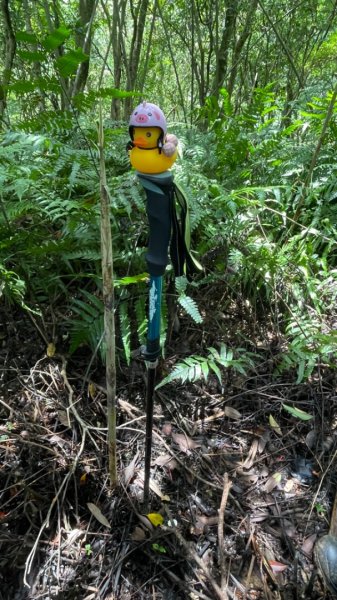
[(109, 305)]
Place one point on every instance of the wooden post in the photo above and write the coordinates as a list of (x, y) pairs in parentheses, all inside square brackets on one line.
[(109, 305)]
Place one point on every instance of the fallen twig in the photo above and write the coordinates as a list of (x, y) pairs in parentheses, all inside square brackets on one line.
[(220, 594), (45, 523), (226, 487)]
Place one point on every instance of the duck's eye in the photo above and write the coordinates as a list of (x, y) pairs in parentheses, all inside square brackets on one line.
[(148, 134)]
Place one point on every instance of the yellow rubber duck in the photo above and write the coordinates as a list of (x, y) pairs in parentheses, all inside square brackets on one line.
[(152, 150)]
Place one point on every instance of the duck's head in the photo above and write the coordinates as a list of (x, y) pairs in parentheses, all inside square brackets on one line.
[(147, 126), (146, 137)]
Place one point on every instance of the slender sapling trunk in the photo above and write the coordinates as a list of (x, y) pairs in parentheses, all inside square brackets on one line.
[(108, 300)]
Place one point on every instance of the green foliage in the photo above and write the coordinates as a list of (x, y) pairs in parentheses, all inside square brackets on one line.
[(187, 303), (279, 268), (49, 221), (190, 306), (297, 412), (87, 326), (244, 176), (68, 63), (194, 368), (308, 346), (11, 286)]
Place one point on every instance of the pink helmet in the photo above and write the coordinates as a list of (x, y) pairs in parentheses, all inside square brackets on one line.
[(148, 115)]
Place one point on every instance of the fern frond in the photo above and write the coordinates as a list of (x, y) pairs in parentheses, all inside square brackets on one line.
[(194, 368), (190, 369), (73, 176), (190, 306), (88, 327), (83, 253), (181, 284)]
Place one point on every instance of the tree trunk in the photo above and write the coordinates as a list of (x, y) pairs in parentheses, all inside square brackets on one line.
[(53, 22), (142, 73), (83, 39), (9, 54), (198, 63), (246, 32), (36, 67), (139, 14), (119, 52), (223, 50)]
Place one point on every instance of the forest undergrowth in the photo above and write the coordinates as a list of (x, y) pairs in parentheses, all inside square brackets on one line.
[(244, 440)]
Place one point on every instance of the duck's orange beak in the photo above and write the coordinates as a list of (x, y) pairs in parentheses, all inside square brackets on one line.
[(140, 142)]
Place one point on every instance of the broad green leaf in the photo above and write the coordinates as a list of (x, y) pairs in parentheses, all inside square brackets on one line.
[(297, 413), (216, 370), (239, 367), (25, 36), (85, 100), (56, 38), (320, 116), (225, 353), (205, 369), (132, 279), (22, 86), (32, 56), (40, 83), (68, 63), (182, 371), (115, 93), (300, 372)]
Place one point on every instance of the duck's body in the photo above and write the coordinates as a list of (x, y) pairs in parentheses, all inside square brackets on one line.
[(151, 161), (146, 155)]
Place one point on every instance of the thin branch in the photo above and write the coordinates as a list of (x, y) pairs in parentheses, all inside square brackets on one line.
[(168, 41), (282, 42), (219, 593)]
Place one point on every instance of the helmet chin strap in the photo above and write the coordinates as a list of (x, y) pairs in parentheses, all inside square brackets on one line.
[(131, 144)]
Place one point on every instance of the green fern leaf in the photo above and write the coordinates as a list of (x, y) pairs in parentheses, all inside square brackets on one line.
[(194, 368), (88, 328), (181, 284), (189, 305), (187, 370), (215, 369)]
